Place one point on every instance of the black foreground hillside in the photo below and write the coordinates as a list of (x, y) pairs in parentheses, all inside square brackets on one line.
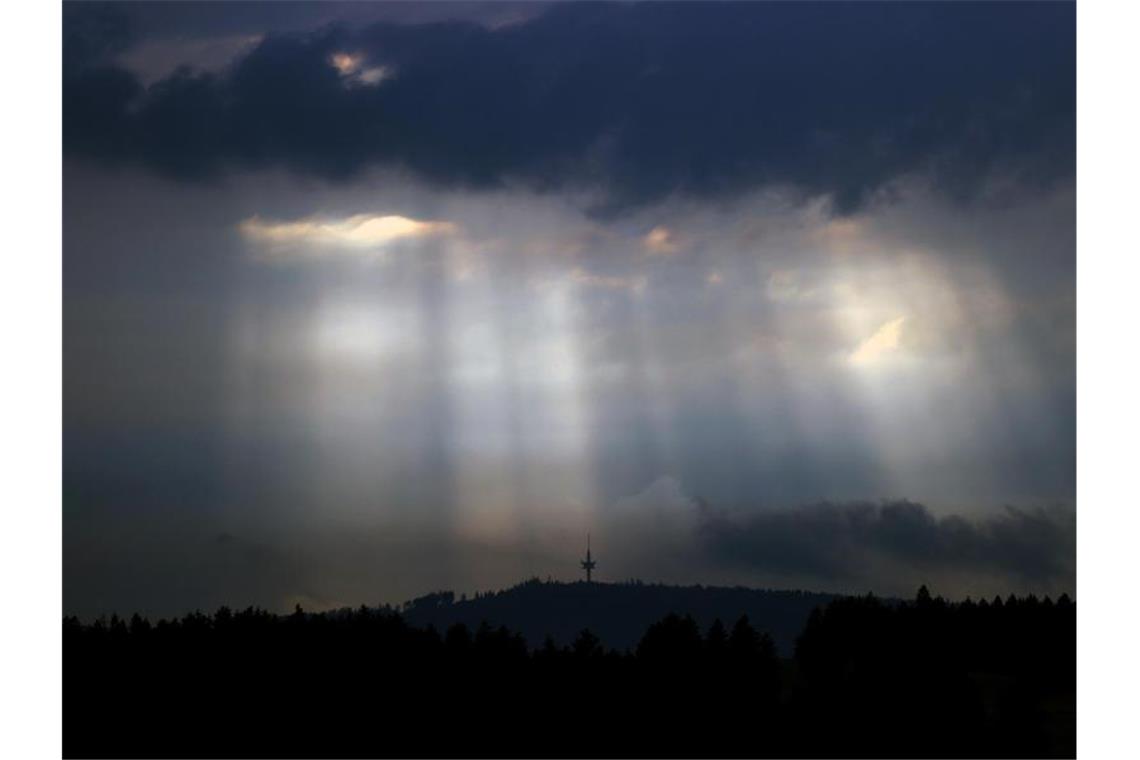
[(924, 678)]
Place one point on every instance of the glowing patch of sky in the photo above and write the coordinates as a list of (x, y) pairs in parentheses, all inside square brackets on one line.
[(361, 233), (354, 69)]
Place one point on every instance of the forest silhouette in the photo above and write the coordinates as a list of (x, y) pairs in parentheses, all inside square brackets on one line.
[(867, 677)]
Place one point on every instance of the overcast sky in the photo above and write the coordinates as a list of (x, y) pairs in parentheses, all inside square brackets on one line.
[(363, 301)]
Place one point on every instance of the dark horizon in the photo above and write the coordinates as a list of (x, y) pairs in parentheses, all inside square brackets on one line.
[(464, 595)]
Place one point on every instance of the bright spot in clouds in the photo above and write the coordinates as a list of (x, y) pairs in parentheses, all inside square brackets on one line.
[(660, 240), (361, 232), (884, 341), (351, 68), (345, 63)]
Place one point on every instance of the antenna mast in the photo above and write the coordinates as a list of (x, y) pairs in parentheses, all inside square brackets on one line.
[(588, 564)]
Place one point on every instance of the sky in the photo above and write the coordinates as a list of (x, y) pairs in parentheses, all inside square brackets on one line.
[(363, 301)]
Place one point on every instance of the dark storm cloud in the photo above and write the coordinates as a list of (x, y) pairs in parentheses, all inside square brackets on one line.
[(844, 541), (190, 19), (639, 100)]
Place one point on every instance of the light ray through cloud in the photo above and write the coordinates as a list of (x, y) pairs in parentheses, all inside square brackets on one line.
[(358, 287), (544, 371)]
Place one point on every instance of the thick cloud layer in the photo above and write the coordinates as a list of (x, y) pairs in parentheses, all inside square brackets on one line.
[(844, 542), (637, 102)]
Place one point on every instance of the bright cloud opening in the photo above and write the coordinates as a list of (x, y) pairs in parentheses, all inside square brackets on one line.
[(660, 240), (884, 341), (361, 232), (352, 68)]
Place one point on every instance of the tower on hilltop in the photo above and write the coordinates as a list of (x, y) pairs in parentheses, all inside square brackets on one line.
[(588, 564)]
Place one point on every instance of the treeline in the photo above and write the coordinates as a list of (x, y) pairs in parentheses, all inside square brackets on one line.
[(618, 613), (868, 678), (927, 678)]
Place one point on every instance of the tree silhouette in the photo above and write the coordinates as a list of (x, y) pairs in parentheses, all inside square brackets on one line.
[(869, 677)]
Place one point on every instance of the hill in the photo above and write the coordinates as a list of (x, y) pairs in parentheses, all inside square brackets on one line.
[(618, 613)]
